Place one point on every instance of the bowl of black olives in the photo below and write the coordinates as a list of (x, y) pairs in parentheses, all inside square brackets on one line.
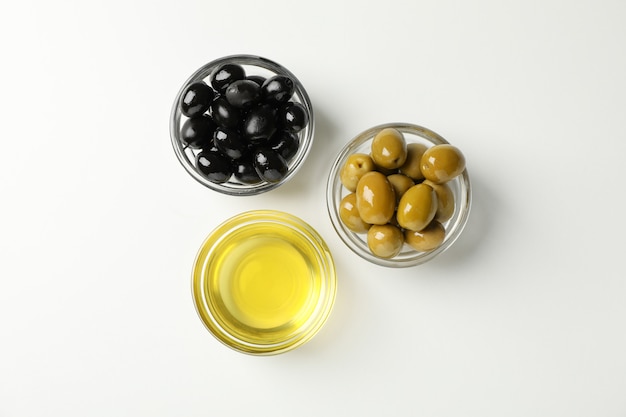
[(399, 194), (242, 125)]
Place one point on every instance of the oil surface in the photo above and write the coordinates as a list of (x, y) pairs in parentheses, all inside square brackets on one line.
[(263, 283)]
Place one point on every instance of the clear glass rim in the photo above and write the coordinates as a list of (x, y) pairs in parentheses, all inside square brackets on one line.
[(231, 188), (334, 190), (328, 279)]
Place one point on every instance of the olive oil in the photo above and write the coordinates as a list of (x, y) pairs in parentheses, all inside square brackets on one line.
[(261, 283)]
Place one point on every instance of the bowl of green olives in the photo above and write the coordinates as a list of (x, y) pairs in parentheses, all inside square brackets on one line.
[(242, 125), (398, 194)]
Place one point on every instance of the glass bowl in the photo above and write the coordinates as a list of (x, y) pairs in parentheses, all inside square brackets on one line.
[(264, 282), (408, 256), (253, 65)]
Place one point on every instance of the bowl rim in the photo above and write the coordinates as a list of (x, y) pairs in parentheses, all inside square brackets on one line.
[(334, 189), (306, 135), (328, 279)]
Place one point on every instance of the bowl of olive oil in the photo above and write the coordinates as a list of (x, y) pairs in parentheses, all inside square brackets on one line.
[(264, 282)]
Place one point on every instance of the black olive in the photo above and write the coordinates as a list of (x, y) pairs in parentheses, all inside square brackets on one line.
[(260, 123), (225, 74), (229, 142), (278, 88), (269, 165), (284, 143), (196, 99), (243, 93), (244, 171), (293, 117), (210, 147), (224, 114), (214, 166), (257, 79), (197, 132)]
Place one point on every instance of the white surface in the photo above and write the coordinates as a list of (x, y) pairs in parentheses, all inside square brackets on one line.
[(524, 316)]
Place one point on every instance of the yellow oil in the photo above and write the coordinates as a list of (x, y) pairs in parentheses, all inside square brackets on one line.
[(263, 282)]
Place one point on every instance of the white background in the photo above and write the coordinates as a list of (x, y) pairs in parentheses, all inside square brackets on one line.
[(524, 316)]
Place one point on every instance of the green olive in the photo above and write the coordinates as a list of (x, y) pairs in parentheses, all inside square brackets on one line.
[(445, 201), (385, 171), (354, 168), (375, 199), (417, 207), (385, 241), (400, 183), (442, 163), (431, 237), (349, 214), (412, 166), (389, 148)]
